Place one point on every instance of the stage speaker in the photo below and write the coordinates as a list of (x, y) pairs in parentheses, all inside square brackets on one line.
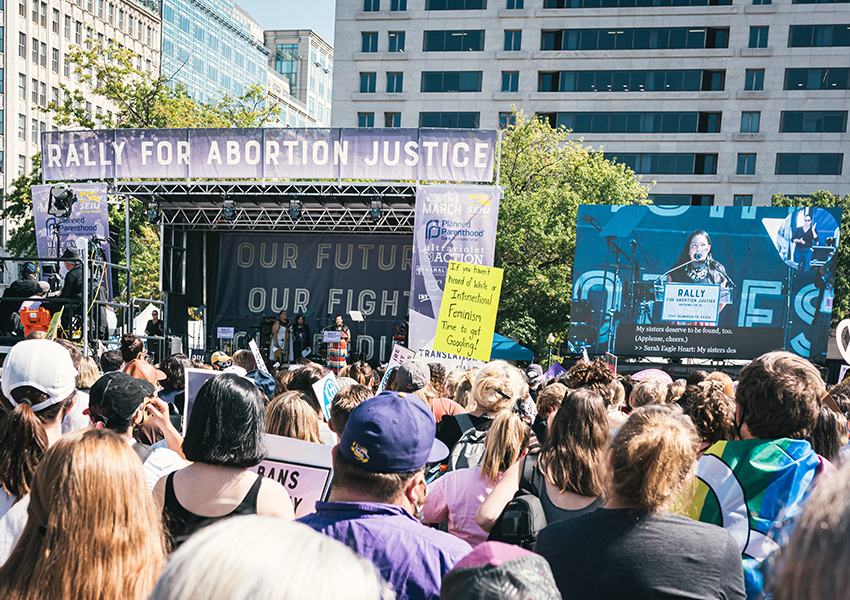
[(178, 314), (265, 341)]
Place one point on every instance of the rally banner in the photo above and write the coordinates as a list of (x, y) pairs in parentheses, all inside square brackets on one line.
[(451, 223), (320, 277), (240, 153), (89, 218)]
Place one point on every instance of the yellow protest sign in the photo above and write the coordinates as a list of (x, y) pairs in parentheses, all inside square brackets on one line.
[(468, 310)]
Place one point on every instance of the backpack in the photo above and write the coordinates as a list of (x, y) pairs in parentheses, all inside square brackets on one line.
[(143, 450), (468, 452), (523, 518)]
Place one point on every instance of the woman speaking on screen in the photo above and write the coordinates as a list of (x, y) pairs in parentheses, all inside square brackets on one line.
[(697, 265)]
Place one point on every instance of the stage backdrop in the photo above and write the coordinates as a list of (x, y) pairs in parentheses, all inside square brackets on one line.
[(745, 288), (319, 276)]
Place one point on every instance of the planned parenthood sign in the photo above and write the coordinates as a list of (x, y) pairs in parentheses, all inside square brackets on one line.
[(241, 153)]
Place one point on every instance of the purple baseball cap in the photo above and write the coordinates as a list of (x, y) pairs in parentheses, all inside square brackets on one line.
[(391, 433)]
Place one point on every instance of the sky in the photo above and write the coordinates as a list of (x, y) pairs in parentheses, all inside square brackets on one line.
[(317, 15)]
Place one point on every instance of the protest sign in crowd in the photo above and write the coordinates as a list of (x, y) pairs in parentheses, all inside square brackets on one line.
[(229, 480)]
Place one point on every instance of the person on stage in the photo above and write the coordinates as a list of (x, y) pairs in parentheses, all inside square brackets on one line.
[(300, 338), (697, 265), (154, 328), (804, 238), (338, 351), (281, 339)]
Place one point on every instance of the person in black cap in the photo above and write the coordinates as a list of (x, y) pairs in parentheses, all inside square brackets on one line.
[(378, 490), (118, 402), (25, 287)]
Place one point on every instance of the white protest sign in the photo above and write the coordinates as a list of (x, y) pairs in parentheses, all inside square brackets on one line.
[(304, 469), (332, 337), (258, 358), (842, 372), (225, 333), (688, 302), (401, 354), (843, 326), (325, 390), (195, 378)]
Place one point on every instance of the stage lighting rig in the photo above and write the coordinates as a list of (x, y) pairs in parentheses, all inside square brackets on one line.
[(295, 207), (376, 210), (229, 212), (62, 199), (154, 213)]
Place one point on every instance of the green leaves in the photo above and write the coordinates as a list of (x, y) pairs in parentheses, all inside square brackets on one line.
[(545, 177)]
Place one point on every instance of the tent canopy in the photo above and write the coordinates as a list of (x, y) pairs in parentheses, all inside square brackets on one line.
[(507, 349)]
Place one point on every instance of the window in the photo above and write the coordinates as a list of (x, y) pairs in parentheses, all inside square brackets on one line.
[(395, 82), (630, 81), (148, 36), (746, 164), (455, 4), (366, 119), (513, 5), (100, 9), (42, 94), (121, 20), (451, 81), (111, 13), (67, 27), (34, 136), (367, 83), (451, 120), (682, 199), (816, 79), (758, 37), (634, 39), (513, 40), (392, 119), (813, 121), (54, 95), (818, 36), (742, 200), (22, 164), (54, 60), (398, 5), (809, 164), (55, 21), (668, 163), (130, 22), (22, 86), (369, 42), (35, 12), (42, 54), (453, 41), (636, 122), (750, 122), (34, 91), (78, 32), (66, 66), (396, 41), (762, 1), (510, 81), (371, 5), (22, 8), (506, 119), (754, 79), (630, 3), (35, 50), (43, 15), (22, 127), (22, 45)]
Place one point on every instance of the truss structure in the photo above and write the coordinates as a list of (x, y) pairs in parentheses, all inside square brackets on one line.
[(325, 206)]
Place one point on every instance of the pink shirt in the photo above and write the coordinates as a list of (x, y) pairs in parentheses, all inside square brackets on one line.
[(456, 496)]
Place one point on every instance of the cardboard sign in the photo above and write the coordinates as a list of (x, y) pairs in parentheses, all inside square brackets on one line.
[(195, 378), (54, 324), (690, 302), (258, 358), (225, 333), (468, 310), (303, 468), (554, 371), (401, 354), (331, 337), (325, 390)]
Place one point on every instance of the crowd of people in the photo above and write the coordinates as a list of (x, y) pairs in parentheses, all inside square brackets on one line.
[(482, 483)]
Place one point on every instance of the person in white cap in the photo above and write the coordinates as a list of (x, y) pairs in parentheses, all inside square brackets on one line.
[(38, 383)]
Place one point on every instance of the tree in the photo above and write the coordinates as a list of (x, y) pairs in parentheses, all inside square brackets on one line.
[(824, 199), (142, 100), (545, 176)]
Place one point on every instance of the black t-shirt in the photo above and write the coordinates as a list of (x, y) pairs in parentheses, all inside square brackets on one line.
[(808, 238), (154, 329), (624, 553)]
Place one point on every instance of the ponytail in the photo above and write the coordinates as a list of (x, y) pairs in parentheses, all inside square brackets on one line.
[(506, 440), (23, 441)]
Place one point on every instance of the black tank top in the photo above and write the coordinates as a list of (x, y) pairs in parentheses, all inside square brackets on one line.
[(181, 523)]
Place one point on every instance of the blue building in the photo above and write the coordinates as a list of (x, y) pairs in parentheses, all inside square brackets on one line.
[(210, 48)]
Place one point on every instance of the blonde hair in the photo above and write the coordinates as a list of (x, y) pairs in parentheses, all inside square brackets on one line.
[(498, 386), (88, 373), (291, 414), (463, 392), (652, 457), (506, 440), (93, 531), (549, 399), (267, 558), (648, 391), (728, 384)]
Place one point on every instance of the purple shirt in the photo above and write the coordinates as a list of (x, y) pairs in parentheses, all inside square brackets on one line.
[(412, 557)]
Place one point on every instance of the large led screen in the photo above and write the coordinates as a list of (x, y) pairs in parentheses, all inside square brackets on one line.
[(715, 282)]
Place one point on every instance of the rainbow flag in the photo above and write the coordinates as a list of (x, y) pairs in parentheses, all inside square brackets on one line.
[(755, 489)]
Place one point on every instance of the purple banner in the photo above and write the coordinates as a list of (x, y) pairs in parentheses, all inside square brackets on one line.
[(382, 154), (451, 223)]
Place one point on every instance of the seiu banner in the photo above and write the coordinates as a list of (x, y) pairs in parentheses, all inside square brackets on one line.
[(242, 153), (770, 271), (452, 223), (318, 276)]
